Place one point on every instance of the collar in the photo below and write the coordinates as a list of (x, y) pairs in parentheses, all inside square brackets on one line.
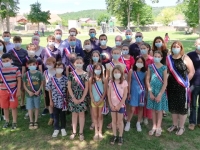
[(72, 47)]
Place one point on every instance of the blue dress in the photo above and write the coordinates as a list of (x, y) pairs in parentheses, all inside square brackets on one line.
[(135, 88), (156, 86), (94, 91)]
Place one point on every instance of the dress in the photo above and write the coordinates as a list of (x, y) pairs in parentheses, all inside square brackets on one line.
[(78, 92), (176, 93), (135, 88), (156, 86)]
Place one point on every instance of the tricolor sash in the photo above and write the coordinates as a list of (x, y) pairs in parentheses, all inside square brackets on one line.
[(48, 52), (71, 66), (27, 58), (30, 81), (142, 96), (11, 91), (46, 75), (16, 55), (179, 79), (67, 52), (78, 80), (91, 67), (124, 63), (1, 64), (157, 73), (112, 64)]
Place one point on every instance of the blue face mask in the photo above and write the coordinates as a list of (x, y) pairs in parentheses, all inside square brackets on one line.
[(115, 56), (103, 42), (1, 48), (125, 52), (128, 37), (156, 59), (72, 43), (32, 67), (17, 45), (158, 45), (176, 50), (6, 39), (97, 72), (138, 39), (118, 43), (95, 59), (143, 51), (198, 47), (92, 35)]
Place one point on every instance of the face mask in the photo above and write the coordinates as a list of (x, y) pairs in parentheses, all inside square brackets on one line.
[(156, 59), (6, 64), (92, 35), (115, 56), (125, 52), (72, 60), (87, 47), (117, 75), (95, 59), (103, 42), (32, 67), (158, 45), (143, 51), (51, 44), (1, 48), (139, 65), (6, 39), (97, 72), (58, 37), (49, 67), (17, 45), (79, 66), (59, 70), (198, 47), (138, 39), (72, 43), (31, 53), (176, 50), (117, 43), (128, 37), (35, 42), (72, 33)]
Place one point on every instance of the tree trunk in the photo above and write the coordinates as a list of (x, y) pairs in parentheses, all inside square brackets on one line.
[(128, 12)]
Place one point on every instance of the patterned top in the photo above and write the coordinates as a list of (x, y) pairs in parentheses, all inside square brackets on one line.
[(57, 98)]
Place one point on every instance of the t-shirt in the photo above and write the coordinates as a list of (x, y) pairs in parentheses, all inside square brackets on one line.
[(105, 54), (148, 61), (36, 79), (110, 68), (46, 53), (114, 99), (128, 62), (38, 59), (9, 46), (38, 52), (127, 42)]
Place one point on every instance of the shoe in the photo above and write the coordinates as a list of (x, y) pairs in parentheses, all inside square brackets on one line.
[(191, 126), (127, 127), (55, 133), (113, 140), (96, 137), (31, 126), (158, 132), (138, 126), (180, 131), (26, 116), (45, 112), (146, 122), (35, 125), (152, 131), (50, 121), (100, 136), (120, 141), (23, 107), (72, 136), (81, 136), (14, 127), (63, 132), (172, 128), (6, 125)]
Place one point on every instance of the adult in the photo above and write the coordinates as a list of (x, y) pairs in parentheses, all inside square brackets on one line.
[(195, 87), (181, 70), (6, 37), (128, 41), (36, 41), (74, 32), (159, 44), (134, 49), (42, 31), (94, 41), (118, 41)]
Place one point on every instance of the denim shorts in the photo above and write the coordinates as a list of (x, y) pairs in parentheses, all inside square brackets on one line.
[(32, 102), (121, 110)]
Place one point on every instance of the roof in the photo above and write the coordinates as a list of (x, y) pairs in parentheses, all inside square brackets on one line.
[(54, 18), (84, 19), (17, 18)]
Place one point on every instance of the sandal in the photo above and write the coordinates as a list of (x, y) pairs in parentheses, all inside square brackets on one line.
[(31, 125), (179, 131), (92, 127), (158, 132), (35, 125), (81, 136), (120, 141), (72, 136), (172, 128), (100, 136), (152, 131), (113, 140), (96, 137)]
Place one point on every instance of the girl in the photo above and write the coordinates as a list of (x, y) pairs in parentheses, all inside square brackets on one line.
[(136, 90), (156, 82), (97, 89), (166, 38), (87, 47), (117, 94), (71, 67), (78, 89)]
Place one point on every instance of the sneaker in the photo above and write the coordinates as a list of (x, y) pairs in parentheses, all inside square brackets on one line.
[(26, 116), (146, 122), (63, 132), (138, 126), (191, 126), (45, 111), (14, 127), (50, 121), (6, 125), (55, 133), (23, 107), (127, 127)]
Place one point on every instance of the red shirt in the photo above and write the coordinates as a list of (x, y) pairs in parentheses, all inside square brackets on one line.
[(148, 61), (128, 62)]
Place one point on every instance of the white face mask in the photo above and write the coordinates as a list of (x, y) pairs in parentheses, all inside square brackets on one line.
[(59, 70), (72, 33), (117, 75), (31, 53), (51, 44), (49, 66), (87, 47), (139, 65), (6, 64)]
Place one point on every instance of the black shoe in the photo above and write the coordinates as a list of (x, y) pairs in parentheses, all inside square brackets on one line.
[(6, 125), (23, 107), (14, 127), (120, 141), (113, 140), (45, 111)]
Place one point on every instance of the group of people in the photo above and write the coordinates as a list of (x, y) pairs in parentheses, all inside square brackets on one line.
[(130, 78)]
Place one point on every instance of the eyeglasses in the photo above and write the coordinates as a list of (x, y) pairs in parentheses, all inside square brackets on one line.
[(138, 36)]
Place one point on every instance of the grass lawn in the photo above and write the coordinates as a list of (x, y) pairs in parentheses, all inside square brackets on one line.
[(41, 138)]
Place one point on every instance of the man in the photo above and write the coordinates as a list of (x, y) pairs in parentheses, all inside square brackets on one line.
[(118, 41), (128, 40), (74, 32), (94, 41), (42, 31), (6, 37), (134, 49)]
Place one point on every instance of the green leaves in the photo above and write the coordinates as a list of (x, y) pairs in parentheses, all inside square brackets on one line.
[(166, 16)]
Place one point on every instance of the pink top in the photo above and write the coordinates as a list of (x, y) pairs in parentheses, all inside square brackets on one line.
[(120, 87), (148, 61), (128, 62)]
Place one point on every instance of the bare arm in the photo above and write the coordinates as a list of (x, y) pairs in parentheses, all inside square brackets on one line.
[(129, 81), (85, 91), (148, 75), (165, 82), (123, 98), (67, 71), (23, 70), (190, 66), (40, 68), (90, 90), (105, 87)]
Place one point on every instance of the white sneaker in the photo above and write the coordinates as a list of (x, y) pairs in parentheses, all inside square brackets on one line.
[(55, 133), (127, 127), (138, 126), (146, 122), (63, 132)]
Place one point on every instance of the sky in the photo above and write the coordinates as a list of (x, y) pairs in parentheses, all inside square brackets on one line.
[(62, 6)]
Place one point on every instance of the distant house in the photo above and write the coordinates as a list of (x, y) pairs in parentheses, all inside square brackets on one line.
[(18, 19), (87, 21), (55, 18)]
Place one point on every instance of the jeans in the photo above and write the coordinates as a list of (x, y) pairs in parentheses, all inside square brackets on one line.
[(194, 115), (59, 116)]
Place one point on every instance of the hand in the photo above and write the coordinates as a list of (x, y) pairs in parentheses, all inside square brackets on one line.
[(81, 100), (129, 97), (75, 101), (18, 94), (112, 107), (37, 93), (51, 104), (152, 96), (117, 108), (158, 98), (30, 93)]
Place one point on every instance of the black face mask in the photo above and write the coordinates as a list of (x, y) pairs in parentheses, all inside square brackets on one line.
[(72, 60)]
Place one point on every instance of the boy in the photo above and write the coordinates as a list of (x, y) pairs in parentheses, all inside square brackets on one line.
[(6, 37), (10, 85), (18, 54), (33, 84), (58, 94)]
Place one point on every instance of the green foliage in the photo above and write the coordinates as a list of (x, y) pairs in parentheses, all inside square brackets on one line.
[(166, 16), (64, 23), (8, 7), (103, 18)]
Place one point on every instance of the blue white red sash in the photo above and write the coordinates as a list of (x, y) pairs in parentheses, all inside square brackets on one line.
[(67, 52), (142, 96), (30, 81), (117, 92), (179, 79), (1, 64), (157, 73), (124, 63), (48, 52), (77, 78), (112, 64), (46, 74), (71, 66), (12, 92), (16, 55), (27, 58), (91, 67)]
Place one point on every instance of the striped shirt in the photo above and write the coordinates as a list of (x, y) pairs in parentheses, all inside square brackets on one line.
[(10, 74)]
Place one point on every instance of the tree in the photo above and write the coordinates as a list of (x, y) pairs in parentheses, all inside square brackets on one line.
[(103, 18), (36, 15), (166, 16)]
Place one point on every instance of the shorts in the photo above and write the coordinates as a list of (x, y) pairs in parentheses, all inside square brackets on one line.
[(100, 106), (33, 102), (5, 102), (47, 99), (121, 110)]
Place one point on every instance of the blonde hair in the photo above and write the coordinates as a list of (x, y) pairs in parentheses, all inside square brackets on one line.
[(86, 42), (118, 67), (31, 47)]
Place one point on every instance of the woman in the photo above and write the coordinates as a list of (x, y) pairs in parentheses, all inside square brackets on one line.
[(74, 32), (181, 71), (36, 41)]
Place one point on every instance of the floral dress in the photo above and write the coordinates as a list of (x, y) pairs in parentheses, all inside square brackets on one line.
[(78, 93)]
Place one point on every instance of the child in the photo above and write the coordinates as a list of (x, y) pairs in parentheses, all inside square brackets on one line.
[(33, 83), (156, 82), (18, 54), (6, 38), (2, 51), (10, 85), (58, 93), (71, 67), (78, 89), (49, 73), (117, 94), (97, 88), (136, 92), (87, 47), (166, 38)]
